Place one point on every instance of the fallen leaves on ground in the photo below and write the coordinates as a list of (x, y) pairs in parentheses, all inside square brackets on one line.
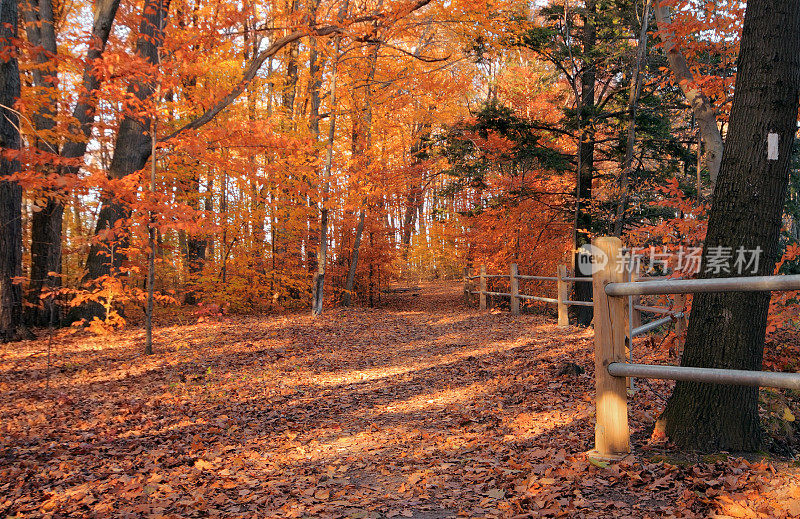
[(421, 409)]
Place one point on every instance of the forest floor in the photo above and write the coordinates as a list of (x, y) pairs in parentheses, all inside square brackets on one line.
[(423, 408)]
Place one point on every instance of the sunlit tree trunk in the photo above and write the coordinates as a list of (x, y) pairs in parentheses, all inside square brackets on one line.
[(702, 109), (362, 144)]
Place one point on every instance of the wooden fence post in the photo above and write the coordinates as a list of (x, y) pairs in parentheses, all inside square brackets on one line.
[(514, 281), (483, 287), (611, 436), (562, 295)]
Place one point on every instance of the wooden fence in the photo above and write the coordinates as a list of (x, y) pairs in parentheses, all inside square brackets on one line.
[(563, 284), (616, 311), (611, 290), (514, 277)]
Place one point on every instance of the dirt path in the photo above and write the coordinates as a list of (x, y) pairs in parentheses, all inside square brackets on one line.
[(423, 408)]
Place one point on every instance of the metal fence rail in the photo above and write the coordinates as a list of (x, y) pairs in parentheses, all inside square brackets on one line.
[(711, 375), (658, 323), (579, 303), (695, 286), (653, 309), (562, 300), (503, 294), (539, 298), (612, 435), (537, 278), (614, 327)]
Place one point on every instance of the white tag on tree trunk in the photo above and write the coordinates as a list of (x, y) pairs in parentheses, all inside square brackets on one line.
[(772, 146)]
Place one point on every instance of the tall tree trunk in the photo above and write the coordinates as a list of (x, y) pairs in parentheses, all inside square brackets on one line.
[(314, 86), (10, 192), (727, 330), (223, 213), (322, 257), (701, 105), (415, 195), (152, 232), (291, 248), (362, 144), (195, 250), (583, 217), (290, 84), (371, 271), (351, 273), (131, 150), (633, 99), (208, 204), (47, 220), (46, 224)]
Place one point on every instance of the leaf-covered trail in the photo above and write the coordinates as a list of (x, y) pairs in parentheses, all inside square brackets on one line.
[(423, 408)]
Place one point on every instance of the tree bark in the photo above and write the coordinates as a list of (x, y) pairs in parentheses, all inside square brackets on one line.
[(361, 145), (633, 99), (290, 85), (704, 113), (131, 150), (727, 330), (322, 257), (583, 217), (47, 220), (351, 273), (10, 191), (314, 86), (46, 224)]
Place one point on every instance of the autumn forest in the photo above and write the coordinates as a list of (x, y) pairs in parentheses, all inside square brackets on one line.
[(399, 258)]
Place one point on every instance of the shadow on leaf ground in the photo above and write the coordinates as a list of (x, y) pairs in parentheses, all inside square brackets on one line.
[(423, 408)]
